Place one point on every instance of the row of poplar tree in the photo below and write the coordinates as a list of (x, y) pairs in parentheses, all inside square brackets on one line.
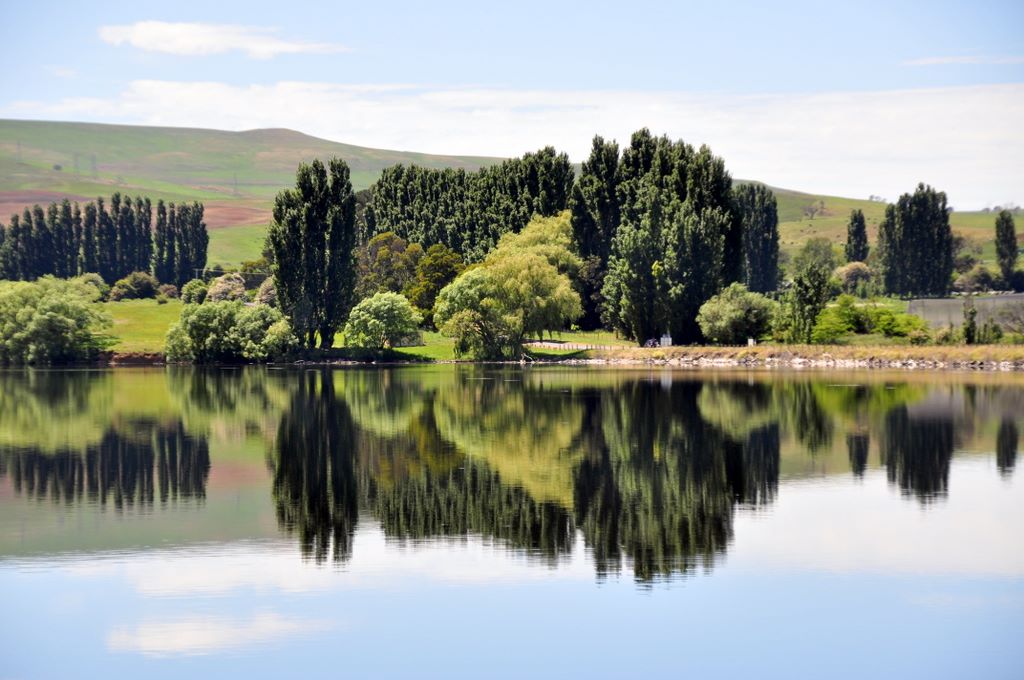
[(469, 211), (660, 226), (66, 240)]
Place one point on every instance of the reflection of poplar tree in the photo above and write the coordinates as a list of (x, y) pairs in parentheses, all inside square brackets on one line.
[(857, 448), (657, 492), (917, 453), (314, 477), (121, 469), (1006, 446)]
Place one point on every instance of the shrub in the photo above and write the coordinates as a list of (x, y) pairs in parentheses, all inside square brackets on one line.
[(96, 281), (135, 286), (895, 324), (267, 294), (194, 292), (228, 332), (380, 321), (919, 337), (978, 279), (947, 336), (50, 321), (169, 291), (227, 287), (734, 315), (853, 277), (990, 333), (830, 327)]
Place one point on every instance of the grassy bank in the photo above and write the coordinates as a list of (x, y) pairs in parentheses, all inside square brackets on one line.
[(140, 327)]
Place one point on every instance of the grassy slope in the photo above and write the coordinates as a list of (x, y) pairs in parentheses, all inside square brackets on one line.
[(246, 169)]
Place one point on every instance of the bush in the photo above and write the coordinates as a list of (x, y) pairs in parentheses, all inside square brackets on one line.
[(380, 321), (853, 277), (734, 315), (830, 327), (227, 287), (96, 281), (947, 336), (169, 291), (919, 337), (977, 280), (229, 332), (135, 286), (50, 321), (267, 294), (194, 292), (895, 324)]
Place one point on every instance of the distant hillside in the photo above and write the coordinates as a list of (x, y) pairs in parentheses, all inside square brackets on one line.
[(237, 174)]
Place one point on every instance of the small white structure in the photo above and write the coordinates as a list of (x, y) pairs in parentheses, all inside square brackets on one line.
[(666, 340), (751, 342)]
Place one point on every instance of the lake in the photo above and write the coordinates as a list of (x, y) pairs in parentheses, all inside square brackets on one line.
[(490, 522)]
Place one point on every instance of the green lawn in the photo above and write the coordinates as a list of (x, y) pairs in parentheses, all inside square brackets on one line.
[(141, 325)]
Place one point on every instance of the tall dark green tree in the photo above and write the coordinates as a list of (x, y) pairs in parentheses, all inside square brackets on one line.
[(916, 244), (90, 247), (42, 243), (759, 216), (595, 220), (163, 269), (856, 238), (143, 234), (77, 235), (1006, 245), (677, 233), (190, 240), (61, 227), (313, 237), (106, 243), (468, 211)]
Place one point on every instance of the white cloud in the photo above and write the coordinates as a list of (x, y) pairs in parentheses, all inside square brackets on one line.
[(195, 39), (965, 60), (207, 634), (964, 140)]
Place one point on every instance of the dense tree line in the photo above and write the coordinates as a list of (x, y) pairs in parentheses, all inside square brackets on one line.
[(67, 239), (468, 211), (915, 244), (660, 229), (679, 240)]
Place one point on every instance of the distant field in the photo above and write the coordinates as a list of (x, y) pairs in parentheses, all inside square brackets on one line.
[(229, 247), (237, 174)]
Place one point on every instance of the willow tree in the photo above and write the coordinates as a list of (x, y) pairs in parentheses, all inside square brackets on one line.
[(313, 238)]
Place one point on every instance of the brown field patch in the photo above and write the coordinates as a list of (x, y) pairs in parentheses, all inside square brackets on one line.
[(219, 215), (14, 202)]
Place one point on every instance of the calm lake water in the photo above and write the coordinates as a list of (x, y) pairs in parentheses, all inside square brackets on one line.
[(464, 521)]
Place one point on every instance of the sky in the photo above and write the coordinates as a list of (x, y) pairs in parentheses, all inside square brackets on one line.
[(849, 99)]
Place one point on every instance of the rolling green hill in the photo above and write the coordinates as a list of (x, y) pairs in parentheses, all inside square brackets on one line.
[(237, 174)]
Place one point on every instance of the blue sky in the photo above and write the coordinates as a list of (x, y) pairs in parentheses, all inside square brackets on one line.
[(834, 98)]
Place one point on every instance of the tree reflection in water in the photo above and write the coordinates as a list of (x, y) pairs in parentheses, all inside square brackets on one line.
[(135, 464), (650, 481), (648, 472)]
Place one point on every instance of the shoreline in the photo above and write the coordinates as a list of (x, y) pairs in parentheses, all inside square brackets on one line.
[(990, 358)]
